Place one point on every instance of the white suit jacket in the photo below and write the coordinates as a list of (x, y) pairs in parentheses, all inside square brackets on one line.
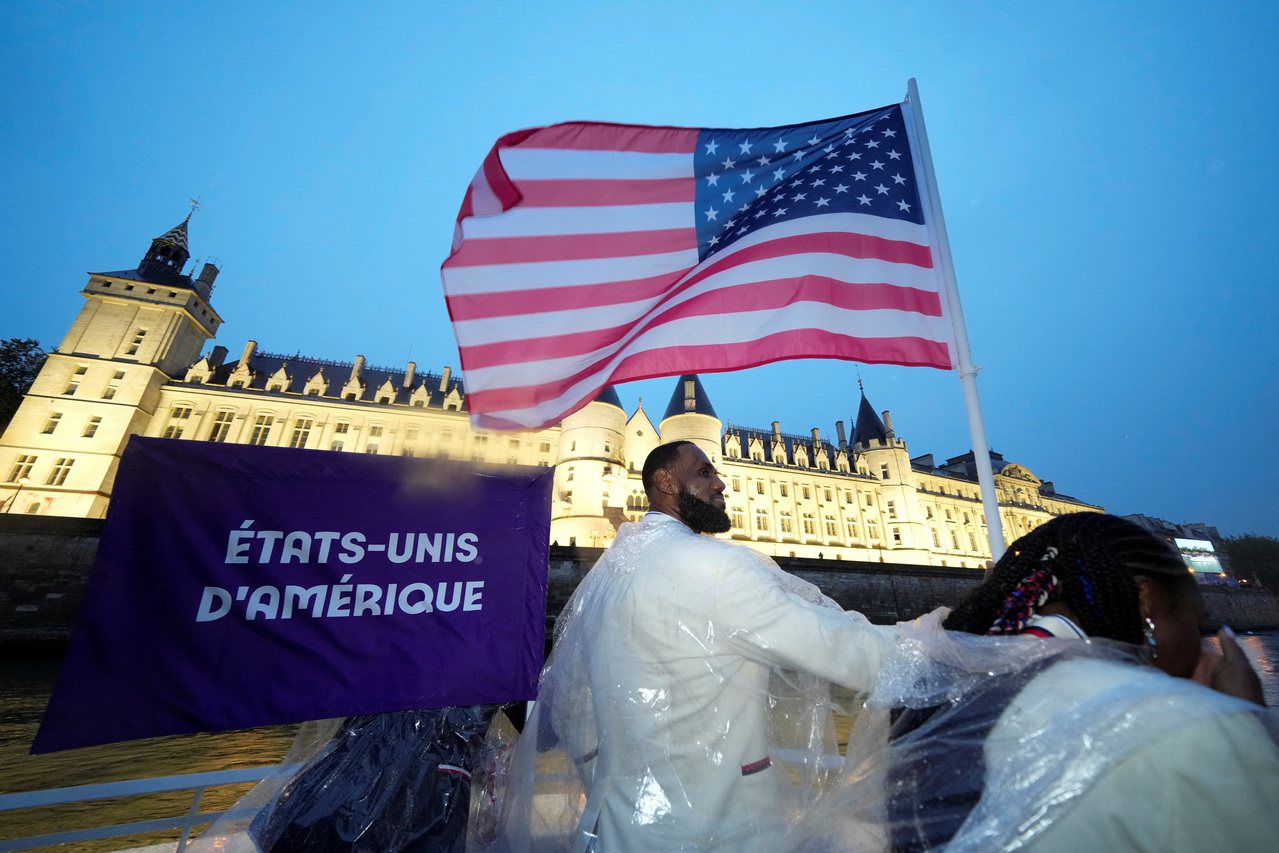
[(682, 632)]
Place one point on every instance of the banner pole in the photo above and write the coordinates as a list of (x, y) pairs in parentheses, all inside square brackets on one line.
[(963, 354)]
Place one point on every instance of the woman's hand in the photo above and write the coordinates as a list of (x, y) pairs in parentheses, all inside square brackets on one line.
[(1229, 671)]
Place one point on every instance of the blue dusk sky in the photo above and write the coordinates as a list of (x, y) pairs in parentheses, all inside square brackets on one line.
[(1105, 171)]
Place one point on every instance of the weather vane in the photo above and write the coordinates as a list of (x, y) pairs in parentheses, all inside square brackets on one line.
[(195, 203)]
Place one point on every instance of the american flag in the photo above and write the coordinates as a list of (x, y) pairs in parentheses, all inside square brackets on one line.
[(587, 254)]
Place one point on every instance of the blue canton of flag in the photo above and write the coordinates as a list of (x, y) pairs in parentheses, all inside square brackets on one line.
[(747, 179)]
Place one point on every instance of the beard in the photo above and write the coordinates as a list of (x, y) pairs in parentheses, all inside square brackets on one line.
[(702, 516)]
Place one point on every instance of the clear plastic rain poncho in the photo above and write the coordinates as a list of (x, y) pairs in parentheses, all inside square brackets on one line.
[(695, 692), (687, 702)]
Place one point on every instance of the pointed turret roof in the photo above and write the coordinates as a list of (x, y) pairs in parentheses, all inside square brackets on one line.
[(689, 399), (176, 236), (868, 425), (608, 394)]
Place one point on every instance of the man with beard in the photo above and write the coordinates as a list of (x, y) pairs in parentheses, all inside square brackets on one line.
[(659, 685)]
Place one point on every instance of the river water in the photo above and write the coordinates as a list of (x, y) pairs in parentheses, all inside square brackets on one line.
[(24, 691)]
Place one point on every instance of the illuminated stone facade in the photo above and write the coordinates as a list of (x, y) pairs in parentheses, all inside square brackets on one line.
[(131, 364)]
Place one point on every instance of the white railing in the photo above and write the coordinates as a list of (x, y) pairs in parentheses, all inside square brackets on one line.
[(195, 782)]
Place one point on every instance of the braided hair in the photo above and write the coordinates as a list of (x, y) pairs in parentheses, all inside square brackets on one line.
[(1086, 560)]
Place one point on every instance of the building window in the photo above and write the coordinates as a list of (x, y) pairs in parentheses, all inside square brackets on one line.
[(568, 478), (739, 519), (883, 471), (221, 425), (51, 423), (544, 447), (301, 432), (891, 506), (341, 427), (21, 468), (337, 444), (410, 434), (608, 447), (137, 342), (113, 386), (761, 521), (870, 501), (375, 431), (172, 431), (832, 529), (809, 527), (807, 494), (827, 495), (74, 382), (785, 524), (852, 531), (872, 528), (782, 490), (897, 536), (408, 451), (371, 448), (261, 429), (759, 487), (58, 475), (91, 428)]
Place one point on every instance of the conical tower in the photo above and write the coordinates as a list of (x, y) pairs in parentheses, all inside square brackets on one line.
[(691, 417)]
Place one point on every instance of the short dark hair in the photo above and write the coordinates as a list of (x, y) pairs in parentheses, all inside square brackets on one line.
[(662, 457), (1095, 559)]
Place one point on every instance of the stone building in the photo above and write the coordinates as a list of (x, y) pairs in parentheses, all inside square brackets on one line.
[(132, 364)]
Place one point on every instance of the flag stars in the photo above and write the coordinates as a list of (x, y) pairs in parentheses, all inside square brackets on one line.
[(747, 176), (901, 205), (881, 189), (760, 192), (781, 211), (894, 155), (888, 131), (798, 155), (799, 196), (711, 214), (855, 155), (728, 195), (763, 161), (712, 147), (780, 146), (729, 163), (822, 202), (859, 176), (745, 148), (818, 182), (814, 169), (814, 141), (834, 170), (875, 164), (871, 143), (898, 179), (712, 180), (841, 188), (863, 199), (778, 174)]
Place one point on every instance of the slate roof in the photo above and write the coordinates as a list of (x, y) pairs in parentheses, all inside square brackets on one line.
[(301, 368), (964, 469), (608, 394), (701, 402), (868, 425), (789, 441)]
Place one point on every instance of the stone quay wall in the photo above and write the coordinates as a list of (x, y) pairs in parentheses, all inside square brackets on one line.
[(45, 563)]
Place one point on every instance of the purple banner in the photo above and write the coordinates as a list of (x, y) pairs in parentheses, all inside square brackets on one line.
[(240, 586)]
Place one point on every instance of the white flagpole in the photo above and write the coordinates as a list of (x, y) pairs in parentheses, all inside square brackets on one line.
[(936, 225)]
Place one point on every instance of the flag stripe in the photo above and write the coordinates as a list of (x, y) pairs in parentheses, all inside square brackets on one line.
[(597, 136), (524, 164), (589, 193), (547, 275), (739, 327), (519, 404), (507, 250), (558, 221), (755, 296), (766, 260)]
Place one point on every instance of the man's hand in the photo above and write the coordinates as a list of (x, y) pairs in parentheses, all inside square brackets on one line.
[(1229, 671)]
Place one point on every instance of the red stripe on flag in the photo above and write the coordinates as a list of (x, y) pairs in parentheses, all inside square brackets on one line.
[(599, 193), (480, 306), (756, 296), (590, 136), (521, 250), (710, 358)]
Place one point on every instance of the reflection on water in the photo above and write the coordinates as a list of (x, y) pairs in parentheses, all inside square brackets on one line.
[(24, 692)]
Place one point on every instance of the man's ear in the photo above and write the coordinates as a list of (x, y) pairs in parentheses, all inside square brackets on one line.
[(665, 481)]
